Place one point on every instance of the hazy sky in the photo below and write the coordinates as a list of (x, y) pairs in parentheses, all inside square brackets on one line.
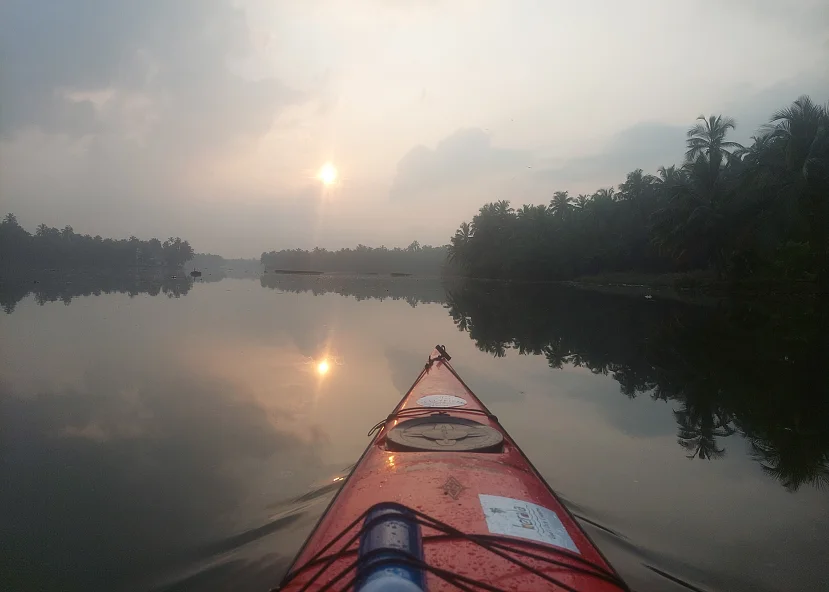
[(210, 119)]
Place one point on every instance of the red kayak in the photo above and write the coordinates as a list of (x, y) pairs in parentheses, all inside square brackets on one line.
[(443, 499)]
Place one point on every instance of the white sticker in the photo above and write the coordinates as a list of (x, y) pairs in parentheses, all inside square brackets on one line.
[(525, 520), (441, 401)]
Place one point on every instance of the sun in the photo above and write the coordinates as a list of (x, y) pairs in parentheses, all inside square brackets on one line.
[(323, 367), (328, 174)]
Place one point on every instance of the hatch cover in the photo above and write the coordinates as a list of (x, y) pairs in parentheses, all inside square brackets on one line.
[(443, 433)]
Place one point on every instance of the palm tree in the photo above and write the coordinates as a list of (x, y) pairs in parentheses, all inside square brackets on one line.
[(581, 201), (707, 138), (526, 212), (42, 230), (802, 133), (669, 176), (502, 208), (561, 204), (636, 185), (696, 224), (458, 244), (802, 128), (604, 195)]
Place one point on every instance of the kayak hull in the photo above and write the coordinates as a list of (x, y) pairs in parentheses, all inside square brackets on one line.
[(494, 493)]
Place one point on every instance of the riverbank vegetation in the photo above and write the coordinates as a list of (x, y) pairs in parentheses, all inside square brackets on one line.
[(757, 211), (415, 259), (21, 251)]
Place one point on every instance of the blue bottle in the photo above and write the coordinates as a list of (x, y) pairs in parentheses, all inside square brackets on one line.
[(393, 534)]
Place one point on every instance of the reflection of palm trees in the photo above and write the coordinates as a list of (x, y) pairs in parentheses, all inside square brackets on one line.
[(699, 428), (556, 353), (792, 457), (748, 365), (414, 290), (66, 287), (630, 379), (497, 349), (461, 320)]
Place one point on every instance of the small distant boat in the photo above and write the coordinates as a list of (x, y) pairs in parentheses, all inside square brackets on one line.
[(443, 499), (195, 273)]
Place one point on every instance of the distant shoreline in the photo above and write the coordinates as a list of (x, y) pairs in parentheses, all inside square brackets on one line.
[(296, 271)]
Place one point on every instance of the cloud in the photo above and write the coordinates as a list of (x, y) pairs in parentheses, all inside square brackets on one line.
[(807, 17), (466, 155), (155, 118), (755, 106), (140, 117), (645, 145), (648, 145), (172, 59)]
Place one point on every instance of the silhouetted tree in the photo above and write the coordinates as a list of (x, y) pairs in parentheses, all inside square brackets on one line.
[(52, 248), (761, 210), (415, 259)]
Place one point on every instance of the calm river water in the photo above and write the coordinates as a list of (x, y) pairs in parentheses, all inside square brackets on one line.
[(171, 435)]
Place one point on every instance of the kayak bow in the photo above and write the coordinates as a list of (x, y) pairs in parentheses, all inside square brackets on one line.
[(443, 499)]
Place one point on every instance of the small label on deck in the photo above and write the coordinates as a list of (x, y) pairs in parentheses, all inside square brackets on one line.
[(525, 520), (441, 401)]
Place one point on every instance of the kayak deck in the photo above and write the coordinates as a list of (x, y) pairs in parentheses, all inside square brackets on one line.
[(443, 454)]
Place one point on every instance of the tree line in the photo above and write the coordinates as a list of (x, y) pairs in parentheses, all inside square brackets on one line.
[(65, 249), (415, 259), (757, 211)]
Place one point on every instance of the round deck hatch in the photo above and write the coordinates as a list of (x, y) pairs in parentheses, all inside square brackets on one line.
[(441, 401), (442, 433)]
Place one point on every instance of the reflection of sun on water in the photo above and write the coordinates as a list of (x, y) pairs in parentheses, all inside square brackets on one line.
[(328, 174), (323, 367)]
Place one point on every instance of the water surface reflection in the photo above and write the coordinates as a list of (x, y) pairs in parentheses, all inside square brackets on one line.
[(190, 443)]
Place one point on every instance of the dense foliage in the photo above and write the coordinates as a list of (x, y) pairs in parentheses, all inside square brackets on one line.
[(415, 259), (756, 211), (64, 249)]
